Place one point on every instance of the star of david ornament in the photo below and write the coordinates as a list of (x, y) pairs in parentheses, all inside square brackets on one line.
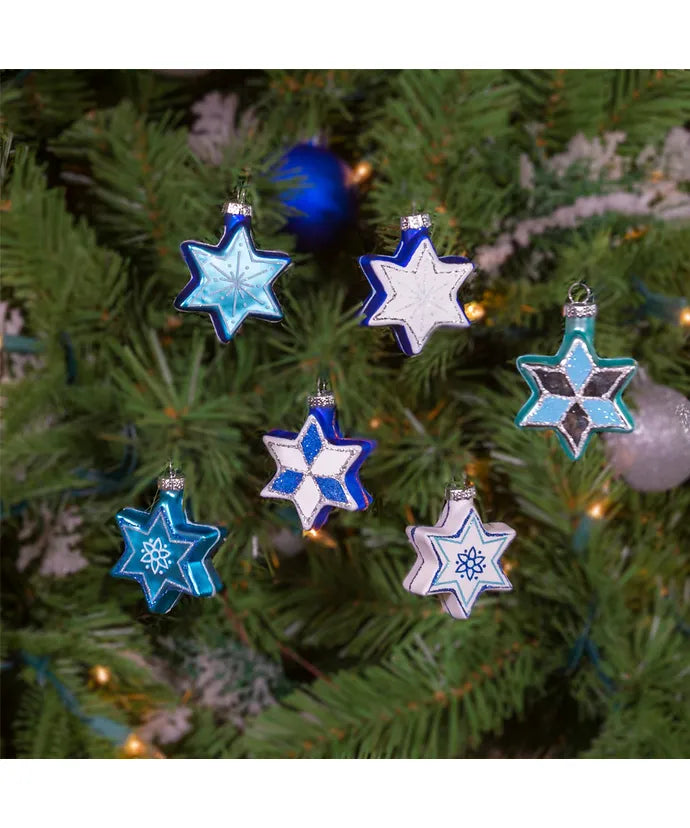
[(317, 469), (459, 557), (576, 392), (165, 553), (231, 280), (415, 291)]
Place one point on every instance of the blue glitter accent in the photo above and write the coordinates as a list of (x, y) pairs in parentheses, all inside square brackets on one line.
[(288, 481), (549, 410), (579, 366), (311, 444), (331, 489), (602, 413)]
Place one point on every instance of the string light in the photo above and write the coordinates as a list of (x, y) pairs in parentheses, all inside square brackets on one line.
[(100, 675), (597, 509), (685, 317), (635, 233), (172, 323), (375, 422), (472, 469), (361, 172), (475, 311), (134, 747), (320, 536)]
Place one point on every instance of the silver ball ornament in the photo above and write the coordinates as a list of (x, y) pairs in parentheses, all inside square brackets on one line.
[(655, 456)]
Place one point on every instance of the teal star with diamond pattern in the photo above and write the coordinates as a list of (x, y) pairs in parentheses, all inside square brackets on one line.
[(576, 392)]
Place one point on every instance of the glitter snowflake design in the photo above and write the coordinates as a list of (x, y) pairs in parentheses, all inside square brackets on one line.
[(156, 556), (470, 563), (232, 280), (418, 297)]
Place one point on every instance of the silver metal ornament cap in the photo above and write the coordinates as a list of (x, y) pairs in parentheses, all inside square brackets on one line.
[(173, 481), (415, 222), (584, 308), (464, 492), (323, 397), (237, 208)]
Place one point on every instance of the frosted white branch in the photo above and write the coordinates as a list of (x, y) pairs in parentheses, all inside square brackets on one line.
[(217, 127), (660, 199), (166, 726), (55, 539)]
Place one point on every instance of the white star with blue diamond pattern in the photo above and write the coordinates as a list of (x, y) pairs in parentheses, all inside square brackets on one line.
[(458, 558), (311, 471)]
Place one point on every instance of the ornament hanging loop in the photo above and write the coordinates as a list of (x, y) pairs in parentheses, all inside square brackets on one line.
[(585, 287), (579, 307)]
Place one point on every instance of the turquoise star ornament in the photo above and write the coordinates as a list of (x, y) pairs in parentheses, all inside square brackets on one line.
[(576, 392), (165, 553), (231, 280), (459, 557)]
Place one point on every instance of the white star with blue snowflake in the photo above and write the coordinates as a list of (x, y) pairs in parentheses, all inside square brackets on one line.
[(458, 558), (576, 393), (231, 281), (311, 472)]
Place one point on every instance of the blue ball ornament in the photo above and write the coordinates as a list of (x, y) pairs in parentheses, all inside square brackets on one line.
[(323, 200)]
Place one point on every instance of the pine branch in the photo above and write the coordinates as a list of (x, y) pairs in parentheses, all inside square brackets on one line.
[(442, 693)]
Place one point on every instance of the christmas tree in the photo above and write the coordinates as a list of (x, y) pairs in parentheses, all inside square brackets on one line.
[(313, 648)]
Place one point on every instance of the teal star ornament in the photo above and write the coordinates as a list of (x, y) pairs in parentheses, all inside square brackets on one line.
[(165, 553), (232, 280), (576, 393), (459, 557)]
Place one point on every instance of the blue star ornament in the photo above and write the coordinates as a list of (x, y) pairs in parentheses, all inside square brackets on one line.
[(231, 280), (459, 557), (165, 553), (575, 392), (415, 291), (317, 469)]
